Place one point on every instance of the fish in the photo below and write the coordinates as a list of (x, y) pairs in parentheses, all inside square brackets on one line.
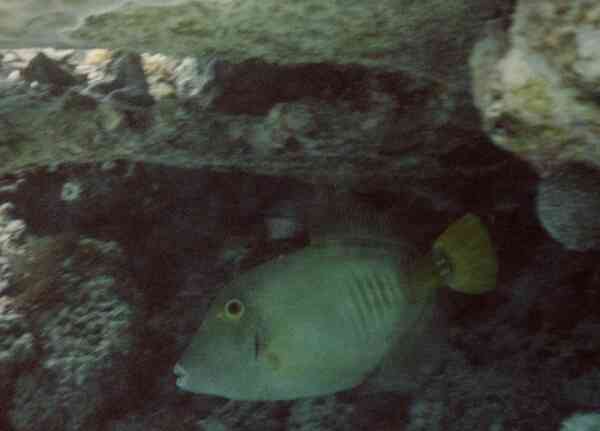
[(323, 319)]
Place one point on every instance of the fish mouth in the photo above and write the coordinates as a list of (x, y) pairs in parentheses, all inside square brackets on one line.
[(181, 375)]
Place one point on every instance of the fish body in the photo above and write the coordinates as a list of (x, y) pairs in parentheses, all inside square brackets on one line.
[(317, 321)]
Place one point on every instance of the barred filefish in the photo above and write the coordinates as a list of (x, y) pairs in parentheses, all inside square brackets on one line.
[(322, 319)]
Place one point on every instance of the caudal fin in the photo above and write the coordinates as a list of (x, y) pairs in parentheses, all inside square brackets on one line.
[(465, 256)]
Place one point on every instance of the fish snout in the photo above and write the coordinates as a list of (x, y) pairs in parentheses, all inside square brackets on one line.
[(181, 375)]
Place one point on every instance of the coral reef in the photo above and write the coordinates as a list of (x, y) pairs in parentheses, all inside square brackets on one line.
[(67, 332), (536, 85), (318, 121), (427, 37), (140, 183), (171, 237)]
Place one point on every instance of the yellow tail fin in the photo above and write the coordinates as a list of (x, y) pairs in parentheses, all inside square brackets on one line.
[(465, 256)]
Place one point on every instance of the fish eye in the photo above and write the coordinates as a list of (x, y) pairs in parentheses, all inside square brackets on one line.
[(234, 309)]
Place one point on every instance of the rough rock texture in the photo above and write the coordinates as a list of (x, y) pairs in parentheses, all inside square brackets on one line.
[(67, 332), (185, 232), (537, 85), (140, 183), (430, 36), (17, 342), (346, 125), (324, 91), (328, 91)]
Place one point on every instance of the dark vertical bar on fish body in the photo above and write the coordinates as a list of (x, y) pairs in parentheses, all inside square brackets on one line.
[(379, 303), (359, 302), (381, 286)]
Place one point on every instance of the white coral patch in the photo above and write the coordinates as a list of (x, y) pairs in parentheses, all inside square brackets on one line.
[(71, 191)]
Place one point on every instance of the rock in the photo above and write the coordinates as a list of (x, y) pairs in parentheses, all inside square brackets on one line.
[(74, 100), (68, 292), (213, 144), (195, 80), (18, 345), (11, 244), (432, 36), (317, 122), (537, 85), (46, 71), (568, 205), (128, 90)]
